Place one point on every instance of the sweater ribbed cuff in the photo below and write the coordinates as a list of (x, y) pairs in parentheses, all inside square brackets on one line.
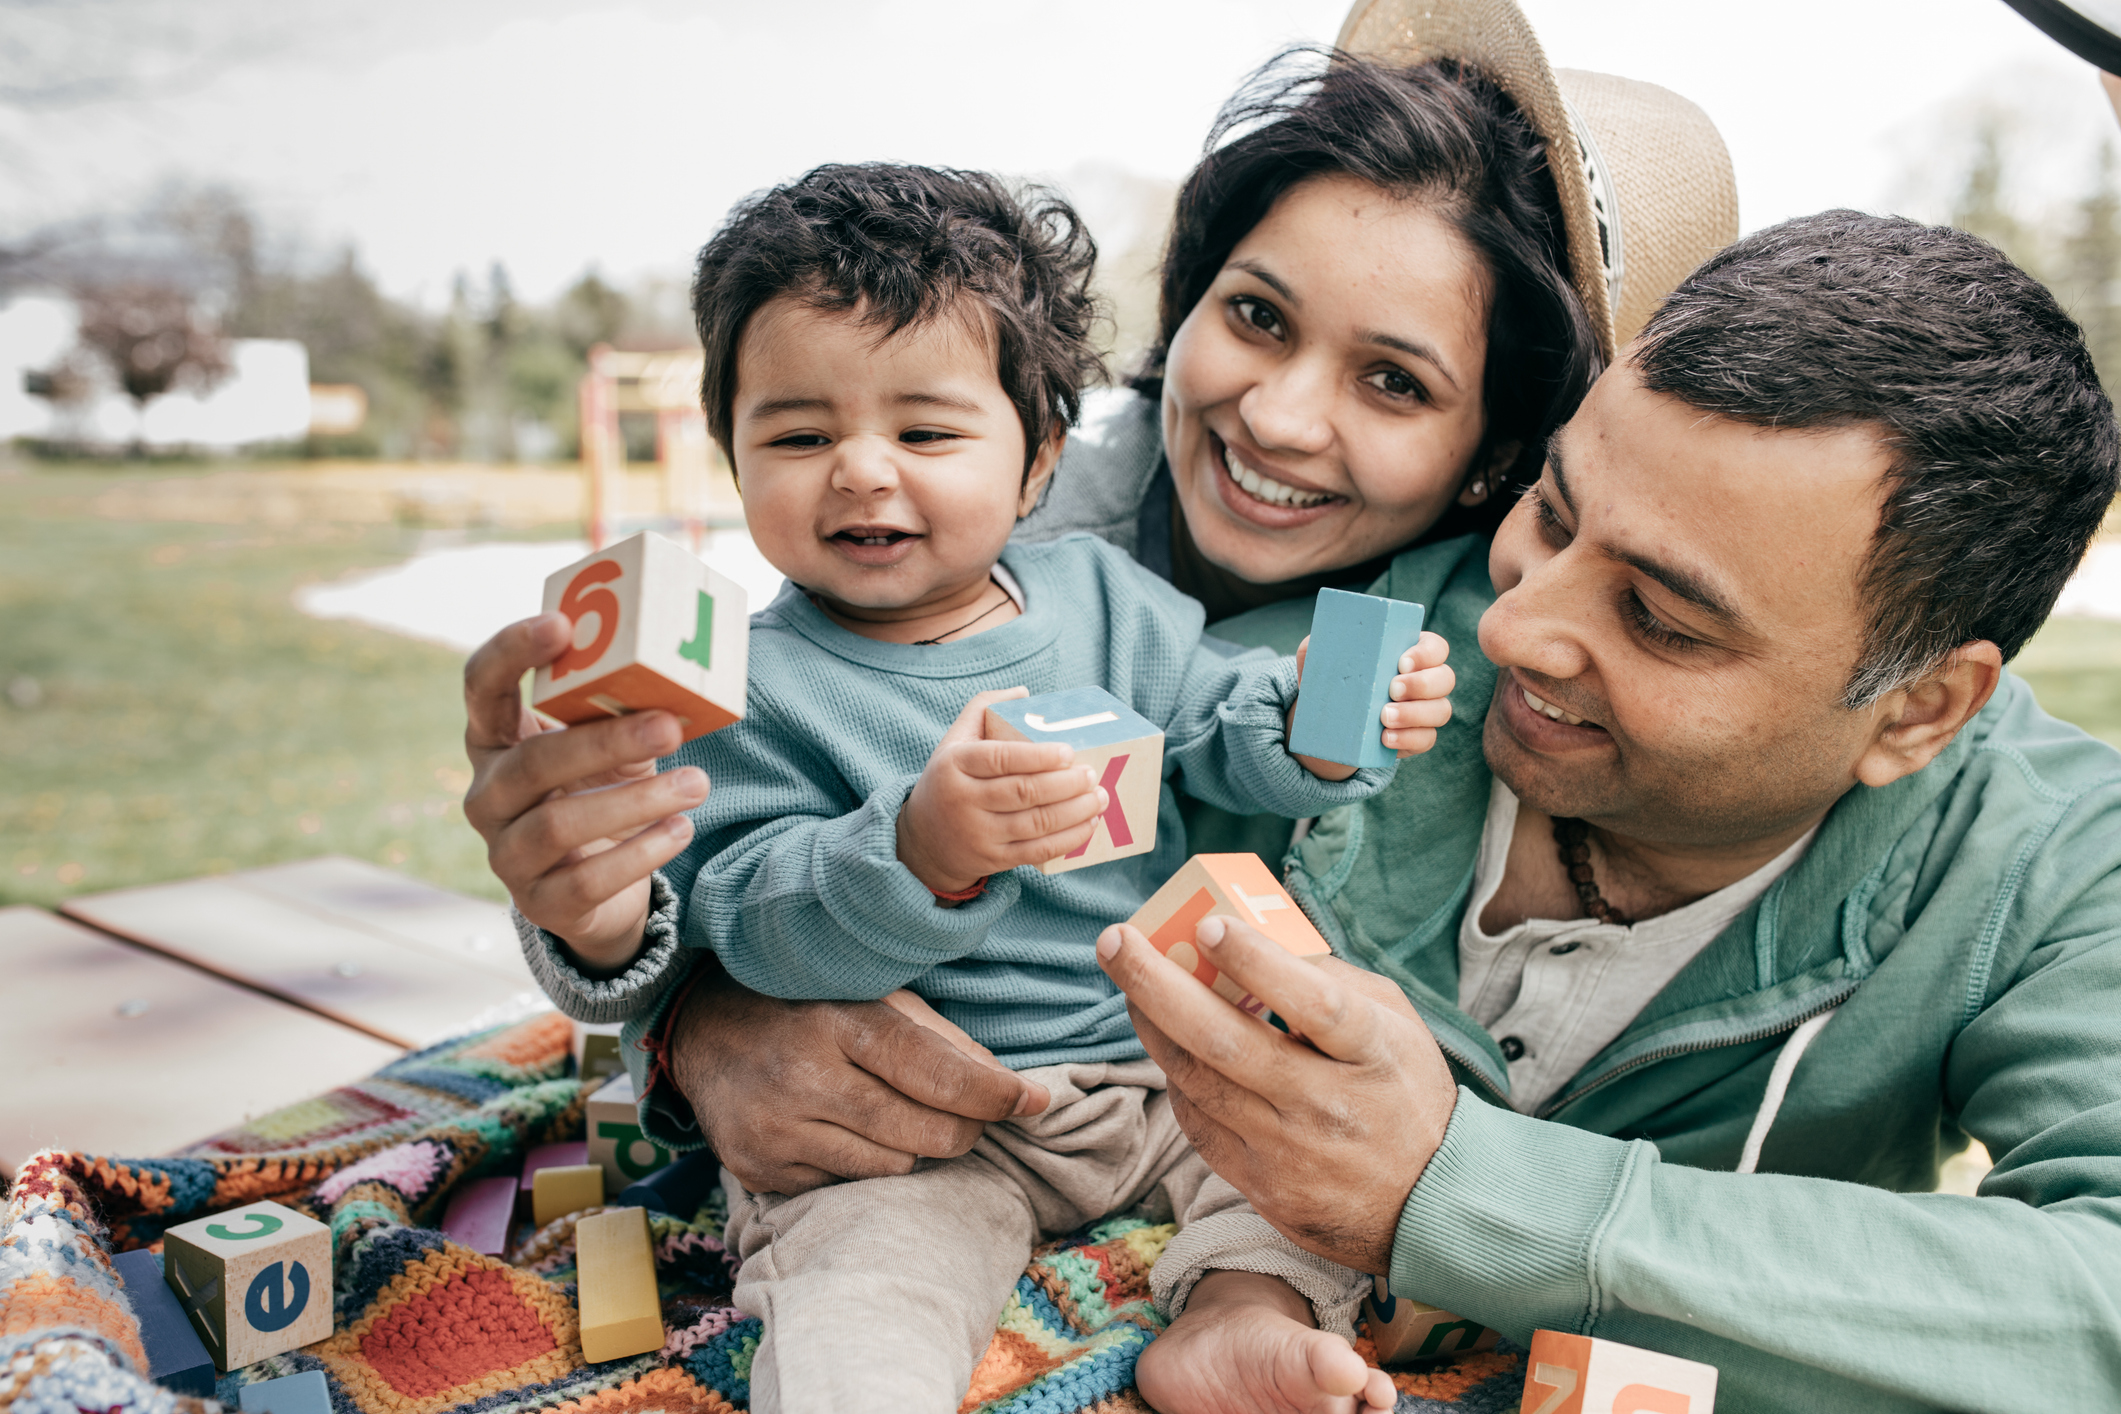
[(1255, 721), (608, 999), (1505, 1223)]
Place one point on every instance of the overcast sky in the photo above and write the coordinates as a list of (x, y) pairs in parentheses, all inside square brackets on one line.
[(556, 135)]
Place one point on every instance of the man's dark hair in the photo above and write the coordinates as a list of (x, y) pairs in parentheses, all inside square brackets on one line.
[(1441, 133), (2004, 447), (903, 246)]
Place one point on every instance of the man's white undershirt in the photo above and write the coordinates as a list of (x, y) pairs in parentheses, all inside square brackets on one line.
[(1565, 990)]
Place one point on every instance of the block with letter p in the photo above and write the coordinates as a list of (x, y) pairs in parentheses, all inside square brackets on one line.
[(1236, 886), (1575, 1374), (1357, 641), (653, 627), (255, 1281), (1412, 1330), (1123, 747), (616, 1143)]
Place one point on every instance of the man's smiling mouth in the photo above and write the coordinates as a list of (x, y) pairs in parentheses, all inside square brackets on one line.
[(1548, 709)]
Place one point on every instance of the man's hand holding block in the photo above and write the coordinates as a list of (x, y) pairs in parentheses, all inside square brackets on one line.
[(1124, 748), (1574, 1374), (255, 1280), (1357, 641), (653, 627), (622, 1314), (1409, 1330), (1236, 886)]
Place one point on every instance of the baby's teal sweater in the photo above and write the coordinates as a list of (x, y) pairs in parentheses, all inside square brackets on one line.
[(793, 878)]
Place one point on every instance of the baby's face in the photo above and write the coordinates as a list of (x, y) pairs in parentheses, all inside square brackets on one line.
[(879, 476)]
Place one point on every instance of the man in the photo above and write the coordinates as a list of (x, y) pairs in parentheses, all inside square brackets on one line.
[(1851, 897)]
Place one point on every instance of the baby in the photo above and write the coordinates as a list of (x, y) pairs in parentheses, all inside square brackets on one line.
[(893, 358)]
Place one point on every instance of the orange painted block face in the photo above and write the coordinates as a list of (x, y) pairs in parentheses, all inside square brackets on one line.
[(1236, 886), (1574, 1374), (653, 627), (1411, 1330)]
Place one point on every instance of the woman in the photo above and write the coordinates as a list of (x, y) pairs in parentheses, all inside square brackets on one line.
[(1380, 297)]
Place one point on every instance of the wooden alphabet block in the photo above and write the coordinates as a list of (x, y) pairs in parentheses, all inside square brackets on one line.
[(615, 1285), (480, 1214), (653, 627), (1410, 1330), (176, 1357), (306, 1393), (616, 1143), (596, 1052), (1575, 1374), (1357, 641), (564, 1189), (1125, 748), (1236, 886), (255, 1281), (546, 1156)]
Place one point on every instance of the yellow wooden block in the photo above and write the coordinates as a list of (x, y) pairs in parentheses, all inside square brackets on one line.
[(615, 1285), (255, 1281), (1236, 886), (556, 1192), (1576, 1374)]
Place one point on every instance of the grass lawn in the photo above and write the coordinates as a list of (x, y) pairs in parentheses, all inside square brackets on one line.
[(185, 719), (191, 721)]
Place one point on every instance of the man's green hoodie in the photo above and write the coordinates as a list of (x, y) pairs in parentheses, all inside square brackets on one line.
[(1965, 925)]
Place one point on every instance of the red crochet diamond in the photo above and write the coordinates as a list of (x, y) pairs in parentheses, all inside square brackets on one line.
[(467, 1328)]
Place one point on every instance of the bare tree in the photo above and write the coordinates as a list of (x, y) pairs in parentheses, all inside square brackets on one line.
[(154, 338)]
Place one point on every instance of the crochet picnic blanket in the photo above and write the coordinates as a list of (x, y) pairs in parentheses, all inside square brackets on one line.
[(424, 1326)]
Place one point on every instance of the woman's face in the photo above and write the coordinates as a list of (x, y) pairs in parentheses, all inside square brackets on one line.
[(1322, 402)]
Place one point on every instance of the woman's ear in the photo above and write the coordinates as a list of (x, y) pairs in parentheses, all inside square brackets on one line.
[(1042, 468), (1487, 479)]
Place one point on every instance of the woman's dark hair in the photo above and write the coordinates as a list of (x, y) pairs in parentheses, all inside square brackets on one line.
[(905, 245), (1441, 132)]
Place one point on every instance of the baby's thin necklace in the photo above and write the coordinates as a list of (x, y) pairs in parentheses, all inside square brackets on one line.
[(931, 642)]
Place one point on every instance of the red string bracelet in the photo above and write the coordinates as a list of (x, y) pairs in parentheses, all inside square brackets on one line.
[(965, 895)]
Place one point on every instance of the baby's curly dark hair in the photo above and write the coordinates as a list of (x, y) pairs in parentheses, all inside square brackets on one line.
[(903, 245)]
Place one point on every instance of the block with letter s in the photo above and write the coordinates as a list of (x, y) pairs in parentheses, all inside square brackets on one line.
[(1123, 747), (653, 627)]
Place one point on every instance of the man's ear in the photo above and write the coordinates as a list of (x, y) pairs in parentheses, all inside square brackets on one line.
[(1916, 722), (1487, 480), (1042, 468)]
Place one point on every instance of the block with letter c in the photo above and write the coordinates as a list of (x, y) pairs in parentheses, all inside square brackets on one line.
[(254, 1281), (1125, 748)]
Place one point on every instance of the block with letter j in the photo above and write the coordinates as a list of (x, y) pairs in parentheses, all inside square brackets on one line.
[(1236, 886), (1123, 747), (653, 627), (255, 1281)]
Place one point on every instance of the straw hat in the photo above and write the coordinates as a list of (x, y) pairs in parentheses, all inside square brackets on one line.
[(1651, 194)]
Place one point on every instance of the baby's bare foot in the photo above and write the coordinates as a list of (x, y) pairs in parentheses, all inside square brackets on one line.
[(1248, 1357)]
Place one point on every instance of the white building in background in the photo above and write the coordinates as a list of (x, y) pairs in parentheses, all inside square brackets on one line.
[(264, 397)]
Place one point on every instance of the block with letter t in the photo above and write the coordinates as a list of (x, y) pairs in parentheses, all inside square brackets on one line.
[(653, 627), (1238, 886), (1357, 641), (1123, 747), (1575, 1374), (1412, 1330), (255, 1281)]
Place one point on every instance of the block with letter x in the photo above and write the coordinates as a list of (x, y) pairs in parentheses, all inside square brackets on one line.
[(1575, 1374), (255, 1281), (653, 627), (1123, 747), (1238, 886)]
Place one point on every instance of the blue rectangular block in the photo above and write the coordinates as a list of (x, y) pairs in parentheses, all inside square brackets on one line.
[(1357, 641), (176, 1357), (305, 1393)]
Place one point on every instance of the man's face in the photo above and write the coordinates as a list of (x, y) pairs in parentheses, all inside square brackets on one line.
[(1688, 587)]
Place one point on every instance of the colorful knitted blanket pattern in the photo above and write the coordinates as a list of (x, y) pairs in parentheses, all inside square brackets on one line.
[(424, 1326)]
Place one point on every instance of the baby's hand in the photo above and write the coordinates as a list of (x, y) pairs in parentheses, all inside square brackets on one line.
[(981, 807), (1421, 702)]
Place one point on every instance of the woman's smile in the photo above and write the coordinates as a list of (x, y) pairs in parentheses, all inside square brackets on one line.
[(1264, 499)]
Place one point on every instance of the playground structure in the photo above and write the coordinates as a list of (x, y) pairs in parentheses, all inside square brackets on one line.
[(698, 492)]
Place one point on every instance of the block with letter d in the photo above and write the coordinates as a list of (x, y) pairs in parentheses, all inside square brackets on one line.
[(255, 1281), (1123, 747), (616, 1143), (1357, 641), (1410, 1330), (1575, 1374), (653, 627), (1236, 886)]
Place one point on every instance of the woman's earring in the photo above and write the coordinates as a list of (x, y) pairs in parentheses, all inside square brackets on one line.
[(1479, 486)]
